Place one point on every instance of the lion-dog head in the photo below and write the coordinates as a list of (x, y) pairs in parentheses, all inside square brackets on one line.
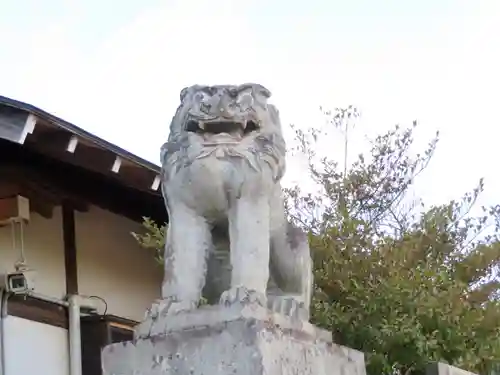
[(225, 121)]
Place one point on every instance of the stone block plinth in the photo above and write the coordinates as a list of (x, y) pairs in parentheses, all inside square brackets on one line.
[(216, 340), (438, 368)]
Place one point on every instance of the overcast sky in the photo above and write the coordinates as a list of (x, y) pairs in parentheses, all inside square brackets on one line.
[(116, 68)]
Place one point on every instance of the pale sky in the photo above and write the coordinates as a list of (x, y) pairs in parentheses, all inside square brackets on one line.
[(116, 68)]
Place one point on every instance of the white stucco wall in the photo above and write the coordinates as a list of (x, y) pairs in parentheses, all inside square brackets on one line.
[(35, 348), (110, 263), (113, 266), (44, 250)]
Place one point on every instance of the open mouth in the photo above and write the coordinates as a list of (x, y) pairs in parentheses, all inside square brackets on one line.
[(219, 127)]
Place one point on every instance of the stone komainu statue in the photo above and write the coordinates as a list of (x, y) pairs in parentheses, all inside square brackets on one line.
[(228, 238)]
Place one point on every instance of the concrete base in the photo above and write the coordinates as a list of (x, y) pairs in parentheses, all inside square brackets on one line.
[(215, 340)]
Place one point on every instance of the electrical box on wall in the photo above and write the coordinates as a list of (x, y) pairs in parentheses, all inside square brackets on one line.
[(16, 208), (20, 282)]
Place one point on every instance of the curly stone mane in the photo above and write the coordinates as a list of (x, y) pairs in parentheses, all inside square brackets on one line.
[(225, 121)]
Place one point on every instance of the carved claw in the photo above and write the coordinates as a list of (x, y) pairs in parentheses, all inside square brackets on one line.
[(287, 305), (242, 295), (169, 306)]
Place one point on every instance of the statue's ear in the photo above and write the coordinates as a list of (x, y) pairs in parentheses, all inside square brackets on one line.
[(256, 88), (183, 93), (262, 91)]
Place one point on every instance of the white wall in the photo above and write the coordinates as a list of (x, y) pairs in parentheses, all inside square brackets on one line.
[(35, 348), (110, 263), (44, 250), (113, 266)]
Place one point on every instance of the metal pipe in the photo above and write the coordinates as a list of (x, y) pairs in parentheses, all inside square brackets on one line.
[(74, 304), (4, 295), (75, 344), (43, 297), (85, 304)]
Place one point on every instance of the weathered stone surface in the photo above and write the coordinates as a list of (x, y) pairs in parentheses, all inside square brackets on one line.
[(439, 368), (245, 340), (221, 172), (229, 239), (208, 316)]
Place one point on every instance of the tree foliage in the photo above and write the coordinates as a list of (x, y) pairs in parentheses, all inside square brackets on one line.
[(403, 283), (153, 238)]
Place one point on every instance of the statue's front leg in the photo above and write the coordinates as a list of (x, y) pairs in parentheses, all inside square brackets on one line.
[(187, 243), (249, 251)]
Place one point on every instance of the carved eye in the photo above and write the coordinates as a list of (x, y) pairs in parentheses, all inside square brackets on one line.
[(245, 100)]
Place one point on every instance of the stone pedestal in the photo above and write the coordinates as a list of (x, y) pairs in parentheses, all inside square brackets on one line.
[(216, 340)]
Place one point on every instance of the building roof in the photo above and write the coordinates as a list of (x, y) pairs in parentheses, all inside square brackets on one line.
[(48, 136), (73, 129)]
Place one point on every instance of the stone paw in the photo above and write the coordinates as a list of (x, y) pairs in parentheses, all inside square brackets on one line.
[(243, 296), (169, 306), (289, 306)]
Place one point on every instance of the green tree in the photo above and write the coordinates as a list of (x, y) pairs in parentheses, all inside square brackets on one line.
[(403, 283), (153, 238)]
